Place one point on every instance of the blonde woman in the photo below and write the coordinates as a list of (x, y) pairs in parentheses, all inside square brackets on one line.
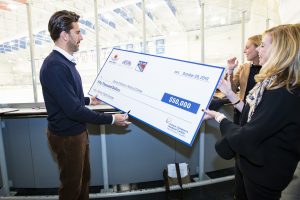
[(266, 145), (242, 80)]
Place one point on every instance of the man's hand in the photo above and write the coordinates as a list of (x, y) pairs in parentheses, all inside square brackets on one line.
[(95, 101), (121, 120)]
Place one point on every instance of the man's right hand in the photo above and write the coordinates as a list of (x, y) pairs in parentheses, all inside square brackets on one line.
[(121, 120)]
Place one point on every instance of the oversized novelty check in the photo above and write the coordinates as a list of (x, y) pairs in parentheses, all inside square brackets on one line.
[(165, 93)]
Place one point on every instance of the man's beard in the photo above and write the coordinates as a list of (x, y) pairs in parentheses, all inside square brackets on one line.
[(74, 47)]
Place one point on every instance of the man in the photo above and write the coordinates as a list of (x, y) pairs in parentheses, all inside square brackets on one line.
[(65, 103)]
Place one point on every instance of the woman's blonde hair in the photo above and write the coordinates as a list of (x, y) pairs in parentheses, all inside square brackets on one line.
[(256, 40), (284, 60)]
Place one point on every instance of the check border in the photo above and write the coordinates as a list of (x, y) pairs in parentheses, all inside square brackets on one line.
[(206, 106)]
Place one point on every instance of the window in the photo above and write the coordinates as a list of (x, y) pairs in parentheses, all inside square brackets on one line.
[(172, 29)]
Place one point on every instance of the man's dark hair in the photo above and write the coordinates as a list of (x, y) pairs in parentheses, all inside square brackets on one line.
[(61, 21)]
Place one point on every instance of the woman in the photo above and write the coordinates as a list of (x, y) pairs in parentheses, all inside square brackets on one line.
[(243, 79), (266, 145)]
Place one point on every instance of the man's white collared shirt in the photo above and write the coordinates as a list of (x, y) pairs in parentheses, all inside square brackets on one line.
[(66, 54)]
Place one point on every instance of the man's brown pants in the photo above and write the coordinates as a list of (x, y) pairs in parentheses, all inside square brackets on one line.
[(72, 153)]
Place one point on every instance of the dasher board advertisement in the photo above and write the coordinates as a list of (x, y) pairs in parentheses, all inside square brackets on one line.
[(165, 93)]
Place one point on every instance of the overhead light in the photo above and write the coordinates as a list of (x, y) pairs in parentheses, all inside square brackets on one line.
[(153, 5), (173, 33), (109, 16), (223, 21)]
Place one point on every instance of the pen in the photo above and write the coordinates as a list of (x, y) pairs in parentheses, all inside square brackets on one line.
[(126, 114)]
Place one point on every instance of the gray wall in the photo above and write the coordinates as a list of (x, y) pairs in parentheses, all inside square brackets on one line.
[(135, 154)]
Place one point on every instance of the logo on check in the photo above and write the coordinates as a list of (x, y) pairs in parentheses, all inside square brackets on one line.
[(141, 66)]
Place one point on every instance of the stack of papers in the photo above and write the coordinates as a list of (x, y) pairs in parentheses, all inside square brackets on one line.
[(183, 168)]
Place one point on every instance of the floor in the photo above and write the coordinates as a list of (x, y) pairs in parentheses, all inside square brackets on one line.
[(292, 192), (216, 191)]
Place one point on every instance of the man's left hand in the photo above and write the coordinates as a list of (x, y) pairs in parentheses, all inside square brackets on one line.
[(95, 101)]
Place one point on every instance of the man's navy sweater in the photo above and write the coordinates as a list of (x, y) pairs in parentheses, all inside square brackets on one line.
[(64, 99)]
